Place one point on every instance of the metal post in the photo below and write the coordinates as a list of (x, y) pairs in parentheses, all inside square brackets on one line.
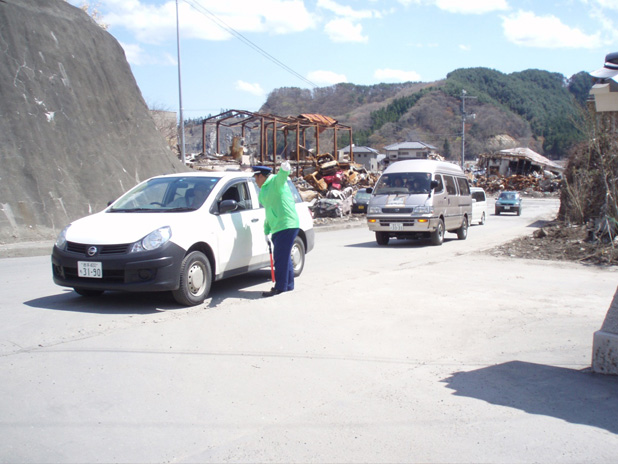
[(463, 126), (182, 120)]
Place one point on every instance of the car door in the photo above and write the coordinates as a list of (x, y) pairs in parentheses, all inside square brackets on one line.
[(451, 218), (238, 229)]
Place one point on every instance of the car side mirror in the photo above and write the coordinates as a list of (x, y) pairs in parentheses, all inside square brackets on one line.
[(369, 190), (434, 184), (227, 205)]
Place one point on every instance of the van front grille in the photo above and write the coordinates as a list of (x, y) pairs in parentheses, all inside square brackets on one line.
[(81, 248)]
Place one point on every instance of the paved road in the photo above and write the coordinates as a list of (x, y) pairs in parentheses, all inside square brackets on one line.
[(405, 353)]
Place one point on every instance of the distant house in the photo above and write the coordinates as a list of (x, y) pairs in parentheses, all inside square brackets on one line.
[(410, 150), (366, 156), (516, 161)]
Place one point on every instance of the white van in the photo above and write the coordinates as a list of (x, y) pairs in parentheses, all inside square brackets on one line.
[(173, 233), (420, 198), (479, 205)]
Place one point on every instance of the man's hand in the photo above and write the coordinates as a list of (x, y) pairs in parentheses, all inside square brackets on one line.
[(286, 166)]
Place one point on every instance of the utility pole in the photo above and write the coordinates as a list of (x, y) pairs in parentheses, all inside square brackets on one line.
[(182, 119), (463, 125)]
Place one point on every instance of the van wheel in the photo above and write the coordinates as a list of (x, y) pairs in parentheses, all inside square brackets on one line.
[(482, 222), (437, 236), (298, 256), (88, 292), (462, 232), (382, 238), (519, 212), (195, 279)]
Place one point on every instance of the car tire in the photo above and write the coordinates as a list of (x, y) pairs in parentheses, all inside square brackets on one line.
[(195, 279), (437, 236), (382, 238), (87, 292), (298, 256), (482, 221), (519, 211), (462, 232), (497, 212)]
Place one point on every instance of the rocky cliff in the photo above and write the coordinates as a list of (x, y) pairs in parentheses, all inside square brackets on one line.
[(75, 131)]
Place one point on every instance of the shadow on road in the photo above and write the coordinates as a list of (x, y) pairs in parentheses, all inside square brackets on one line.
[(153, 302), (578, 397)]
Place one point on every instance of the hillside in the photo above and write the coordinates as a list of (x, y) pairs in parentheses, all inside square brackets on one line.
[(533, 108), (75, 131)]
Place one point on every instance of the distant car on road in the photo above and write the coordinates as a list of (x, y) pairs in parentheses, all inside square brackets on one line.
[(175, 233), (479, 205), (508, 202), (360, 201)]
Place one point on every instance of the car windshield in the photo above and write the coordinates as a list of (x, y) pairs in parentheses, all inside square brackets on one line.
[(362, 196), (508, 196), (404, 183), (167, 194)]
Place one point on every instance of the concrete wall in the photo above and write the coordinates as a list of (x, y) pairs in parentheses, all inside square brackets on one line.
[(75, 131), (605, 342)]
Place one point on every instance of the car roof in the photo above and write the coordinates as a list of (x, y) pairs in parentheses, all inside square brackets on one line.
[(476, 189), (209, 174)]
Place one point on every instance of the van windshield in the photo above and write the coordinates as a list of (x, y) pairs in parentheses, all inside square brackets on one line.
[(407, 183)]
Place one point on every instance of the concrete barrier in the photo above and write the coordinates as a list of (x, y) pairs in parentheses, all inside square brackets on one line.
[(605, 342)]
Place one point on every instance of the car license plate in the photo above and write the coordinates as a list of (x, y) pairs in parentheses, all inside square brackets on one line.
[(507, 207), (396, 226), (361, 207), (90, 269)]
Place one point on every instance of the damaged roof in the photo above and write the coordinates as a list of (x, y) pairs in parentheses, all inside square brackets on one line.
[(531, 155)]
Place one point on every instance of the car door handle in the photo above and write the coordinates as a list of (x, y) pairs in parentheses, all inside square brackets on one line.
[(254, 220)]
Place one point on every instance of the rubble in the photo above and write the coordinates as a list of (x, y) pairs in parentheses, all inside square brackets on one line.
[(521, 183)]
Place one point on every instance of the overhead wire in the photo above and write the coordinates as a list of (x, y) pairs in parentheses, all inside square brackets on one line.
[(219, 22)]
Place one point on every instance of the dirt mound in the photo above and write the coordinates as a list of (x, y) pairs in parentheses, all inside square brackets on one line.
[(558, 241)]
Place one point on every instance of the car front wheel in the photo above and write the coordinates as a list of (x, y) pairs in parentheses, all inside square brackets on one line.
[(298, 256), (437, 236), (382, 238), (195, 279)]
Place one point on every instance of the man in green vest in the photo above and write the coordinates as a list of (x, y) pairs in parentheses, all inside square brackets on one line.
[(281, 221)]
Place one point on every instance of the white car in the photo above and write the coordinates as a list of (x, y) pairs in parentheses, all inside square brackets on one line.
[(176, 232), (479, 205)]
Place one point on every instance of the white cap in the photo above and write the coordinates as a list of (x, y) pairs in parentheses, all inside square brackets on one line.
[(610, 69)]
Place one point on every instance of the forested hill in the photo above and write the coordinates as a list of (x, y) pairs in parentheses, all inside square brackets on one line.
[(532, 108)]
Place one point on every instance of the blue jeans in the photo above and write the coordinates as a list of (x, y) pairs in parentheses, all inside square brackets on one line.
[(284, 269)]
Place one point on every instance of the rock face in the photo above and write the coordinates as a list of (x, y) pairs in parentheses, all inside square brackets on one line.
[(75, 131)]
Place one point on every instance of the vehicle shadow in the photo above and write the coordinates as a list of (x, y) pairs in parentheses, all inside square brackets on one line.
[(107, 303), (576, 396), (399, 243)]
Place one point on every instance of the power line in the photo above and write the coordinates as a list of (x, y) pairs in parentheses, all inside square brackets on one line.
[(219, 22)]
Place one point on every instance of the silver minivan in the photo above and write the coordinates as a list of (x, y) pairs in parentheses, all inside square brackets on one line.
[(420, 198)]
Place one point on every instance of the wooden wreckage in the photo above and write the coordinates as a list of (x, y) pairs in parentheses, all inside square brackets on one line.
[(325, 181)]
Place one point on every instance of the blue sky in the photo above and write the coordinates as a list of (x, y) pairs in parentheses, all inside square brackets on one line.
[(234, 52)]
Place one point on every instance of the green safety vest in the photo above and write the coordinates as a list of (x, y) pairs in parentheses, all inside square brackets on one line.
[(278, 201)]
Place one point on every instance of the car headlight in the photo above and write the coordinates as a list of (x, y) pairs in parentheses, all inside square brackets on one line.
[(61, 241), (375, 210), (423, 210), (153, 240)]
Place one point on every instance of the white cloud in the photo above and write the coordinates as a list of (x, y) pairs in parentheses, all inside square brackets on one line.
[(156, 23), (526, 29), (396, 75), (326, 77), (464, 6), (471, 6), (609, 4), (253, 89), (346, 11), (465, 48), (137, 56), (344, 30)]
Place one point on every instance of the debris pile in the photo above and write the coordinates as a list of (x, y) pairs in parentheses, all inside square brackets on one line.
[(520, 183), (329, 185)]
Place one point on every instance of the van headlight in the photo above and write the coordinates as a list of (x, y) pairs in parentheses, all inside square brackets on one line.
[(375, 210), (423, 210), (152, 241), (61, 241)]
